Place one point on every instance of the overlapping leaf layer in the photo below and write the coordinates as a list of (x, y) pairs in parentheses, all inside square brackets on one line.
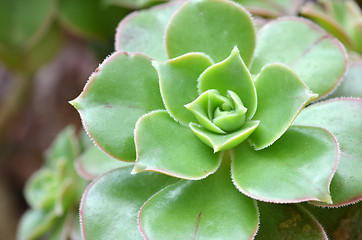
[(225, 96)]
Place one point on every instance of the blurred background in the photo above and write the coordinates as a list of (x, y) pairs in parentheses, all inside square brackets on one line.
[(48, 49)]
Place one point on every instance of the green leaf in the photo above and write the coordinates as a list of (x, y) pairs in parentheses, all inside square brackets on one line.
[(357, 36), (42, 188), (281, 96), (316, 13), (340, 223), (94, 162), (143, 31), (65, 146), (34, 224), (44, 51), (221, 142), (351, 85), (271, 8), (31, 59), (287, 222), (65, 228), (121, 90), (111, 203), (231, 74), (89, 18), (207, 209), (230, 116), (204, 106), (318, 59), (24, 22), (178, 83), (298, 167), (205, 26), (54, 189), (343, 118), (165, 146), (134, 4)]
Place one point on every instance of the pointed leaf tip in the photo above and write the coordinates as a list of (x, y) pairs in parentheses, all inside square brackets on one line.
[(196, 20), (138, 168), (313, 96), (235, 50), (327, 199), (178, 83), (342, 117), (124, 89), (165, 146), (155, 64), (74, 103), (303, 47), (300, 166), (231, 74), (221, 142), (293, 95)]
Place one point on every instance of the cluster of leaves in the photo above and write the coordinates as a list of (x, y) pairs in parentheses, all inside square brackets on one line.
[(343, 19), (55, 190), (186, 94)]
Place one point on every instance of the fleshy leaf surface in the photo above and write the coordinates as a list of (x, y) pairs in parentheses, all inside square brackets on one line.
[(221, 142), (207, 209), (298, 167), (271, 8), (111, 203), (165, 146), (213, 27), (231, 74), (316, 13), (32, 57), (121, 90), (178, 83), (281, 96), (94, 162), (143, 31), (90, 18), (64, 146), (203, 109), (35, 223), (343, 118), (134, 4), (287, 221), (42, 188), (24, 22), (351, 85), (319, 59)]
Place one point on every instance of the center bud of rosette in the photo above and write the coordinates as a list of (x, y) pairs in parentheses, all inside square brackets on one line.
[(230, 116), (217, 113), (222, 119)]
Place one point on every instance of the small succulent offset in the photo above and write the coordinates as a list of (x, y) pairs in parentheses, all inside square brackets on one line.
[(53, 193), (198, 94)]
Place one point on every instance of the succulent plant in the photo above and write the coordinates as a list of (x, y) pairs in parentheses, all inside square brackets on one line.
[(52, 193), (197, 94)]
